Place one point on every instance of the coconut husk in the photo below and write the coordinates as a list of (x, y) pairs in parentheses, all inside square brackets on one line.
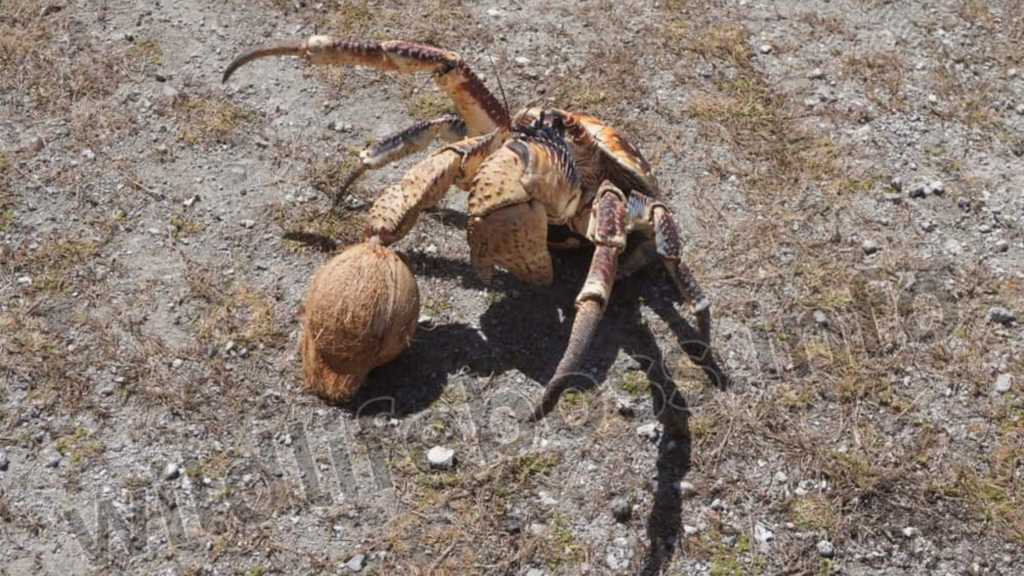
[(361, 313)]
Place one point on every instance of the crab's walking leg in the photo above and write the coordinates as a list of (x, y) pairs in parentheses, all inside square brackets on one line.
[(608, 231), (396, 210), (402, 144), (655, 218), (477, 106)]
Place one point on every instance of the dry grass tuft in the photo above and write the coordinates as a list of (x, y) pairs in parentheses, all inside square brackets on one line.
[(208, 119), (47, 62)]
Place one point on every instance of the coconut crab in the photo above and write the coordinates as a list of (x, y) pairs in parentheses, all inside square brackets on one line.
[(523, 173)]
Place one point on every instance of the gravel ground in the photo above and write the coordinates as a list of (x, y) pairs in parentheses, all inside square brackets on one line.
[(848, 176)]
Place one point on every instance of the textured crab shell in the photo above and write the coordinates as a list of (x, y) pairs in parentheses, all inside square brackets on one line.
[(361, 313)]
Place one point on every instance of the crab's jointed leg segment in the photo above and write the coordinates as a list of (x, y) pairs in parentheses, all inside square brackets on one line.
[(396, 210), (402, 144), (668, 248), (479, 108), (608, 232)]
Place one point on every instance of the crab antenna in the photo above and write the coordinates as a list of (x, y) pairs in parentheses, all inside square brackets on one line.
[(501, 88)]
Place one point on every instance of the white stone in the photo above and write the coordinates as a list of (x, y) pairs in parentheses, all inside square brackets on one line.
[(441, 458)]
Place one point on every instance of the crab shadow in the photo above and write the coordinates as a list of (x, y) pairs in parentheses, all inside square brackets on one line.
[(526, 329)]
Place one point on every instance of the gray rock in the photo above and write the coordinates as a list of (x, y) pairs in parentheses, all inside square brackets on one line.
[(356, 563), (820, 318), (897, 184), (53, 462), (964, 202), (617, 559), (765, 48), (870, 247), (762, 534), (248, 223), (170, 91), (1003, 383), (919, 190), (649, 431), (717, 504), (535, 572), (781, 477), (826, 549), (690, 530), (191, 200), (686, 489), (910, 532), (1001, 315), (937, 188), (893, 197), (816, 74), (622, 510), (1001, 246), (953, 248), (4, 462), (106, 391), (927, 226), (172, 472), (88, 154), (441, 458), (985, 228)]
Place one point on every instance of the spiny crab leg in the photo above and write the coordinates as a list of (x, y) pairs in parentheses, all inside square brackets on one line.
[(477, 106), (608, 231)]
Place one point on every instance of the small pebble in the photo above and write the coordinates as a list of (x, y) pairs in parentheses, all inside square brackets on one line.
[(686, 489), (816, 74), (25, 280), (826, 549), (622, 510), (766, 48), (534, 572), (1001, 315), (54, 463), (820, 318), (4, 462), (897, 184), (1001, 246), (762, 534), (176, 363), (909, 532), (1004, 383), (88, 154), (985, 229), (690, 530), (870, 247), (172, 472), (356, 563), (441, 458), (937, 188), (927, 226), (649, 431), (893, 198), (953, 248), (919, 191), (248, 223), (717, 504), (781, 477)]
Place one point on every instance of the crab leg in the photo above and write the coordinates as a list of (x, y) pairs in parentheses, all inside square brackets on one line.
[(396, 210), (608, 232), (654, 219), (480, 109), (401, 144)]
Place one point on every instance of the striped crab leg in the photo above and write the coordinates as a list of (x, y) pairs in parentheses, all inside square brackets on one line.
[(477, 106)]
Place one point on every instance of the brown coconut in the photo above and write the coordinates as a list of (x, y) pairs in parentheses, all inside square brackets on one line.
[(361, 313)]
